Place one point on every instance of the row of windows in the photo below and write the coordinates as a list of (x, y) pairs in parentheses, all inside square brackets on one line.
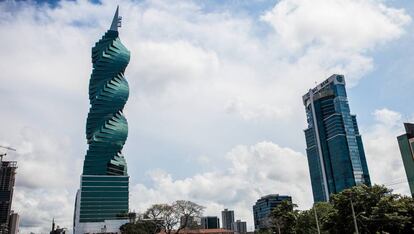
[(100, 206), (104, 194), (93, 219), (97, 200), (106, 215), (90, 178), (86, 212), (105, 189)]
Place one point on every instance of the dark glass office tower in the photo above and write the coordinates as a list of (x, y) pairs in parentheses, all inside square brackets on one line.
[(334, 147), (210, 222), (263, 208), (102, 202), (406, 143)]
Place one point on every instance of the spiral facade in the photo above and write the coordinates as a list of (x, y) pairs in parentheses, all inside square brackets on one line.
[(105, 183), (106, 127)]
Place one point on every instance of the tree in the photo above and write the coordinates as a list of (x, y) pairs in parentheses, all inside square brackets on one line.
[(408, 204), (263, 232), (178, 215), (283, 217), (377, 210), (306, 220), (141, 226), (390, 215), (186, 210), (164, 215)]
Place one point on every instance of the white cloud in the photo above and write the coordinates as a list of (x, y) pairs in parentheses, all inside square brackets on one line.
[(261, 169), (47, 175), (344, 24), (336, 33), (162, 65), (37, 207), (387, 117), (381, 147)]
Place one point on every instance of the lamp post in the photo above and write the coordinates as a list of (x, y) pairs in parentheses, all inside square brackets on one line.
[(316, 219), (353, 215)]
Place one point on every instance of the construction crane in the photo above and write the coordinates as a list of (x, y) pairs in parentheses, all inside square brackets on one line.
[(4, 154)]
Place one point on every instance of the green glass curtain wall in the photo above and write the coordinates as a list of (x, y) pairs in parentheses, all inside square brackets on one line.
[(105, 182)]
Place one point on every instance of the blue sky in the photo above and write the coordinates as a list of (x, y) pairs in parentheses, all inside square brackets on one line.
[(215, 111), (386, 85)]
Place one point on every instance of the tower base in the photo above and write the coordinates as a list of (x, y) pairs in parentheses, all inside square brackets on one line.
[(108, 226)]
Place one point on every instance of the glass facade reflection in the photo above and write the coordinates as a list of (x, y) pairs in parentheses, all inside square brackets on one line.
[(334, 146), (263, 208), (210, 222)]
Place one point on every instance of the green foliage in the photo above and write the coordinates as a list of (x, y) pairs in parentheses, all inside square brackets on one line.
[(264, 232), (283, 217), (140, 227), (306, 221), (169, 218), (377, 210)]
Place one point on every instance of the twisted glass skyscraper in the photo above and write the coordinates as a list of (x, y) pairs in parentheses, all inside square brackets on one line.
[(335, 152), (102, 201)]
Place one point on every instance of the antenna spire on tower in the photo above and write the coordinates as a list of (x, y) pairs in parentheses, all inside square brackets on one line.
[(116, 22)]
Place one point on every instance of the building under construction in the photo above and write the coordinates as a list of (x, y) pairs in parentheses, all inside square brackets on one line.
[(7, 178)]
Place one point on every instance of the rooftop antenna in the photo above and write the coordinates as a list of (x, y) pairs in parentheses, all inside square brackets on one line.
[(7, 148), (116, 21)]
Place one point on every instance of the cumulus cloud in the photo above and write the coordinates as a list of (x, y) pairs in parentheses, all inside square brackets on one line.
[(383, 155), (257, 170), (336, 33), (342, 24), (387, 117), (201, 82), (46, 179)]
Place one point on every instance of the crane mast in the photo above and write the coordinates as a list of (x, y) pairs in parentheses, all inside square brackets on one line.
[(4, 154)]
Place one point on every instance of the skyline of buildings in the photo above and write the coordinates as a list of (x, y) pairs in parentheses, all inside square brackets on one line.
[(334, 147), (102, 202), (406, 144), (356, 172)]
